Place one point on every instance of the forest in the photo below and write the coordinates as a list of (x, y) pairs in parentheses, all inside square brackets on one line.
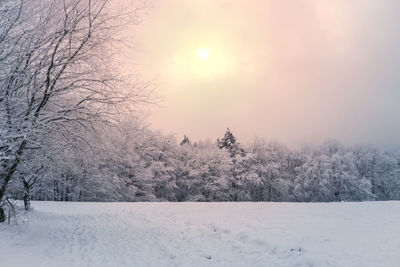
[(133, 163)]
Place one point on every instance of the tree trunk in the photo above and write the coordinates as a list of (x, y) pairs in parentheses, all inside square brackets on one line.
[(56, 191), (269, 192), (27, 195), (27, 201), (66, 188), (10, 172), (2, 215)]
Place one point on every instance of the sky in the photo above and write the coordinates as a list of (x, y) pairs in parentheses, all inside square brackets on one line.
[(299, 72)]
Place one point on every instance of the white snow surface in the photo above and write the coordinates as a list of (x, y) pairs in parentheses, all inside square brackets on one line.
[(204, 234)]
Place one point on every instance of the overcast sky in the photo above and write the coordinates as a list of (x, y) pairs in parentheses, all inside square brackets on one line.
[(295, 71)]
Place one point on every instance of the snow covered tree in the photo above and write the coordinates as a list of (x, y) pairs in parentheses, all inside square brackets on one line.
[(243, 181), (185, 140), (330, 174), (54, 73), (266, 162), (229, 143), (183, 167), (381, 169), (209, 172)]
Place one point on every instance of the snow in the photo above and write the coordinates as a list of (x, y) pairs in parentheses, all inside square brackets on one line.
[(204, 234)]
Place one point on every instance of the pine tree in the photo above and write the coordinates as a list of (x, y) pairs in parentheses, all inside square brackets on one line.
[(185, 140), (229, 143)]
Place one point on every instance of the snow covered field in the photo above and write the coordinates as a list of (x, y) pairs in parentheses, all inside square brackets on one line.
[(204, 234)]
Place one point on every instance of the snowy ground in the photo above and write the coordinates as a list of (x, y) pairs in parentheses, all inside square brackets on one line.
[(204, 234)]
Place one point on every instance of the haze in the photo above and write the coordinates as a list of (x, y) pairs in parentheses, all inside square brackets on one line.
[(295, 71)]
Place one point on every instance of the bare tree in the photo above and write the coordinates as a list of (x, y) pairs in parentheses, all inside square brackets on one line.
[(57, 72)]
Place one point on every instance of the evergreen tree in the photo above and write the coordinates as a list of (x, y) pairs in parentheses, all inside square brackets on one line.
[(185, 140), (229, 143)]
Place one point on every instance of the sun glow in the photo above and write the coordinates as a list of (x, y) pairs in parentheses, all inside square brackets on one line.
[(202, 60), (203, 53)]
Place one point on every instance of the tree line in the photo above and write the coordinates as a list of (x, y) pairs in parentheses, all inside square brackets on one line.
[(133, 163)]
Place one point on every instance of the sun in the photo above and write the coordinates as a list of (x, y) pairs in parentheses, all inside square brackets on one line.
[(203, 53), (202, 61)]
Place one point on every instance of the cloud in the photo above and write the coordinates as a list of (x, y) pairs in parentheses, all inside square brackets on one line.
[(306, 70)]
